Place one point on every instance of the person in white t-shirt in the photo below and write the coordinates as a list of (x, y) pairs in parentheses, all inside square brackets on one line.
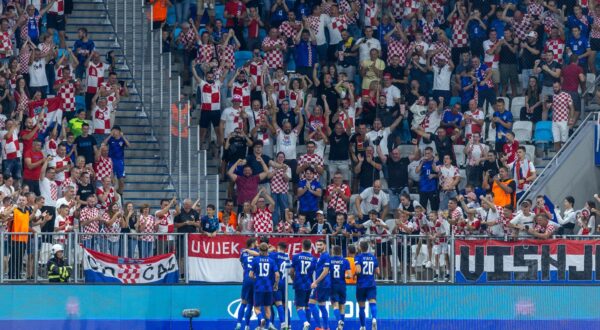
[(38, 81), (372, 198), (391, 92), (232, 117), (287, 139), (366, 44), (523, 220), (442, 68)]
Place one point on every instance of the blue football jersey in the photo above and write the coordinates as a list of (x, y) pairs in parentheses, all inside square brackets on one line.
[(304, 265), (324, 261), (338, 268), (246, 261), (368, 263), (282, 261), (264, 269)]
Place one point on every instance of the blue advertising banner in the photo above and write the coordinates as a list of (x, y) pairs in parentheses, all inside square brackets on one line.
[(52, 307)]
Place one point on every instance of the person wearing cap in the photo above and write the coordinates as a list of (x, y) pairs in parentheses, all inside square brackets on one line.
[(509, 65), (58, 270), (523, 220), (442, 68), (321, 227), (232, 117), (529, 54)]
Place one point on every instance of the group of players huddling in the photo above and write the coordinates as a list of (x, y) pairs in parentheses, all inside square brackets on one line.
[(315, 281)]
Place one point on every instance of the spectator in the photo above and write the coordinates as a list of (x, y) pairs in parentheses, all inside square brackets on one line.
[(443, 142), (308, 193), (567, 219), (543, 229), (228, 217), (279, 188), (503, 188), (372, 198), (95, 76), (483, 75), (550, 71), (103, 165), (86, 145), (453, 120), (34, 160), (117, 143), (573, 78), (371, 68), (563, 113), (532, 111), (428, 182), (337, 197), (367, 169), (245, 220), (210, 225), (523, 172), (476, 153), (89, 222), (49, 190), (321, 227), (20, 224), (246, 184), (502, 121), (523, 221), (508, 65), (12, 152), (262, 213), (146, 226), (449, 177)]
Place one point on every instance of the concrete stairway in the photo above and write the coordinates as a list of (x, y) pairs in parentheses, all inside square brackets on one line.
[(147, 175)]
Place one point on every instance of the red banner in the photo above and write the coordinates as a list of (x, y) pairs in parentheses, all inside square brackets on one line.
[(216, 259)]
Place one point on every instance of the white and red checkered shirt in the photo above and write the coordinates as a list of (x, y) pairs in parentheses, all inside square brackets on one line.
[(211, 95), (205, 53), (310, 158), (87, 213), (595, 28), (69, 182), (523, 27), (285, 227), (263, 221), (557, 46), (535, 9), (147, 226), (103, 168), (445, 51), (58, 163), (549, 21), (290, 29), (336, 202), (255, 69), (95, 76), (108, 196), (313, 23), (339, 23), (187, 39), (67, 94), (243, 90), (371, 12), (226, 55), (278, 184), (11, 148), (397, 47), (274, 57), (166, 225), (111, 230), (411, 7), (561, 105), (280, 87), (447, 175), (550, 228), (5, 43), (460, 38), (428, 30), (101, 120), (397, 8), (58, 7)]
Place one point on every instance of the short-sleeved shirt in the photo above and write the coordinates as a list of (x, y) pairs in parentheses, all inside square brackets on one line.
[(210, 225), (85, 147), (507, 117), (264, 269), (304, 265), (246, 188), (116, 148), (368, 263), (34, 173), (246, 261), (322, 263), (338, 268), (184, 216), (308, 201), (283, 263)]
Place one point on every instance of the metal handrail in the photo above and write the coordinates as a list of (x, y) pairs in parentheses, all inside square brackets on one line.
[(556, 156)]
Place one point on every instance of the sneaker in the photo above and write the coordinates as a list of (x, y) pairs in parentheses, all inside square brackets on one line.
[(428, 264), (374, 324), (340, 325), (447, 278), (306, 326), (247, 327), (435, 277), (211, 6), (205, 5), (363, 328), (238, 326), (272, 327), (263, 323)]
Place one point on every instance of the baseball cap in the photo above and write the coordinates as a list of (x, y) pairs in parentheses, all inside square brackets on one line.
[(236, 98), (532, 34), (320, 212)]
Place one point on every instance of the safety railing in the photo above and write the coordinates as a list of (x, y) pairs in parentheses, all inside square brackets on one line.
[(403, 259), (168, 111)]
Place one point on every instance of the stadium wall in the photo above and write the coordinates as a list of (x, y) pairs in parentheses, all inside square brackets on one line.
[(408, 307)]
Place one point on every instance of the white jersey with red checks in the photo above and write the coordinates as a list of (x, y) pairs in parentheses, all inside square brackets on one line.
[(67, 94), (109, 196), (280, 87), (550, 228), (561, 105), (165, 225), (308, 159), (460, 38), (263, 221), (296, 98), (58, 7), (336, 202), (557, 46), (226, 55), (595, 28), (289, 29), (103, 168), (444, 49), (279, 185), (442, 230), (5, 44), (242, 90), (205, 53), (58, 163), (523, 27), (447, 175), (371, 12), (255, 70), (11, 148), (147, 226), (95, 76), (535, 9), (274, 57), (411, 7), (491, 60), (211, 95), (101, 120), (398, 48), (86, 214)]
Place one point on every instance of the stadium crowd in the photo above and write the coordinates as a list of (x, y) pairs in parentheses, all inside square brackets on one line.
[(353, 120)]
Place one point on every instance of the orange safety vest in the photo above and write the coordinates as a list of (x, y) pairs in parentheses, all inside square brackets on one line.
[(159, 10), (351, 280), (501, 198), (179, 120), (20, 224)]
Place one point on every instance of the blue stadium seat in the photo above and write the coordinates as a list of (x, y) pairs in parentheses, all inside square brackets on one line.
[(543, 132), (171, 17), (219, 11), (241, 57), (79, 102), (454, 100)]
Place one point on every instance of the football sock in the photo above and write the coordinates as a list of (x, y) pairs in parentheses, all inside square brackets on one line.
[(302, 315), (281, 313), (338, 316), (248, 315), (241, 311), (361, 316), (314, 310), (373, 307), (324, 316)]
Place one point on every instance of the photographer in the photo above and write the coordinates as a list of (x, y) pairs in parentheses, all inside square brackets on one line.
[(523, 221)]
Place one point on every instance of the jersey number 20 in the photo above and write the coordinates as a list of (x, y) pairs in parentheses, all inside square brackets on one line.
[(367, 267)]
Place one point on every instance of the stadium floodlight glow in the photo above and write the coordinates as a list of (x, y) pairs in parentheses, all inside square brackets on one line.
[(190, 313)]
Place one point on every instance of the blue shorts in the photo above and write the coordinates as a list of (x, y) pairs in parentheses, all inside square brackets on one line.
[(119, 168), (248, 292), (263, 299), (321, 294), (365, 294), (338, 294), (301, 298), (279, 295)]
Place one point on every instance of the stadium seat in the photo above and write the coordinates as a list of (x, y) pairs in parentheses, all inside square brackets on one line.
[(590, 79), (542, 136), (219, 10), (530, 152), (80, 102), (406, 149), (491, 136), (515, 106), (454, 100), (523, 130), (460, 155), (241, 57)]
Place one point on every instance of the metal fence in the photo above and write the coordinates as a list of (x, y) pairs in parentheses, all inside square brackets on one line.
[(168, 111), (403, 259)]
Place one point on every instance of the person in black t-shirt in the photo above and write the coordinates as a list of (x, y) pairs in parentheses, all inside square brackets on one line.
[(367, 169), (86, 145), (85, 188), (339, 155), (398, 78), (444, 144), (396, 174), (509, 47), (236, 147)]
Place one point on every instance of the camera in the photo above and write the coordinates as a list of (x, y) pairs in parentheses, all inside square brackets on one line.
[(377, 141), (526, 227)]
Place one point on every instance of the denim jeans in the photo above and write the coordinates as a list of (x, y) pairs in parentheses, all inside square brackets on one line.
[(281, 203), (394, 195), (147, 248), (12, 167), (445, 198), (182, 11)]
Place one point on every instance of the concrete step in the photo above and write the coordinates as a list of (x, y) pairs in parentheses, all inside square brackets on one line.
[(94, 18), (147, 170), (92, 28), (142, 152), (146, 185), (150, 194), (88, 5)]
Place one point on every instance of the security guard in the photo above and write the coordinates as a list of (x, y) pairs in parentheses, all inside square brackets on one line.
[(58, 271)]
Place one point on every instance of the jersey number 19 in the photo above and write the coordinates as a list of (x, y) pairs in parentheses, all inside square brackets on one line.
[(263, 270)]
